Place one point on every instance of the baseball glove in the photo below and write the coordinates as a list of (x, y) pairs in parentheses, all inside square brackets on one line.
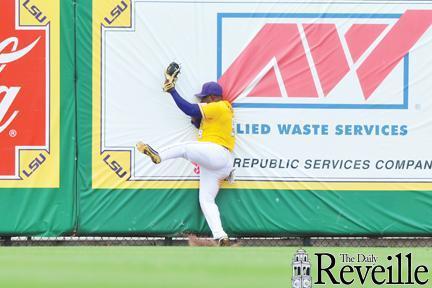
[(171, 74)]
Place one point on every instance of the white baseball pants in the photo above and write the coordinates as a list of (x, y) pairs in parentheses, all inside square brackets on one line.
[(216, 163)]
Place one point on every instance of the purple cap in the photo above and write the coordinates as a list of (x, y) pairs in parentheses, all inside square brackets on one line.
[(210, 88)]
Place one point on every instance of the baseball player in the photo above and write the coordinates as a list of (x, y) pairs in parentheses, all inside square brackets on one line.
[(213, 150)]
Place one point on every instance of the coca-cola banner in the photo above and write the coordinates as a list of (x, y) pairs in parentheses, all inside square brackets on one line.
[(37, 116), (331, 113)]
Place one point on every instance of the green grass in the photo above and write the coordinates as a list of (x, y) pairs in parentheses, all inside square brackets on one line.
[(201, 267), (144, 267)]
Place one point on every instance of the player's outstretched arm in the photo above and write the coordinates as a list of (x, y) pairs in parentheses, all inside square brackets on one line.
[(191, 109)]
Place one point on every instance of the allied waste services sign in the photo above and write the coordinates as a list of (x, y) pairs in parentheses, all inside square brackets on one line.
[(327, 96)]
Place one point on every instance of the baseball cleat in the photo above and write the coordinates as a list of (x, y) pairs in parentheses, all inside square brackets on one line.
[(224, 242), (149, 151)]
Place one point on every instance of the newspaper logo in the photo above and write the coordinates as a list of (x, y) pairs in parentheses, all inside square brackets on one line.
[(23, 89), (301, 276), (369, 270), (310, 62)]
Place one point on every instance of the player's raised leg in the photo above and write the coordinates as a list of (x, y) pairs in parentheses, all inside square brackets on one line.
[(209, 155)]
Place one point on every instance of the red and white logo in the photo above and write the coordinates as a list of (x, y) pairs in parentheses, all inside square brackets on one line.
[(314, 60), (23, 88)]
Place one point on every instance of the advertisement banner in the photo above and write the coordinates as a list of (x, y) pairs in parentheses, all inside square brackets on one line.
[(30, 85), (331, 114), (325, 96), (35, 98)]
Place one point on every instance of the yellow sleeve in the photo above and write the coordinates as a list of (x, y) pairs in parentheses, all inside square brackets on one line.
[(212, 110)]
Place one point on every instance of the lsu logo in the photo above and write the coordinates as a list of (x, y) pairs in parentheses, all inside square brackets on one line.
[(320, 60), (23, 89)]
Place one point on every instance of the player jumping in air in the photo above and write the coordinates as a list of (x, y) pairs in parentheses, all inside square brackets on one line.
[(213, 150)]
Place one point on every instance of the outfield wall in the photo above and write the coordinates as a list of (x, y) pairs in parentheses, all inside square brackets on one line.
[(332, 118)]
